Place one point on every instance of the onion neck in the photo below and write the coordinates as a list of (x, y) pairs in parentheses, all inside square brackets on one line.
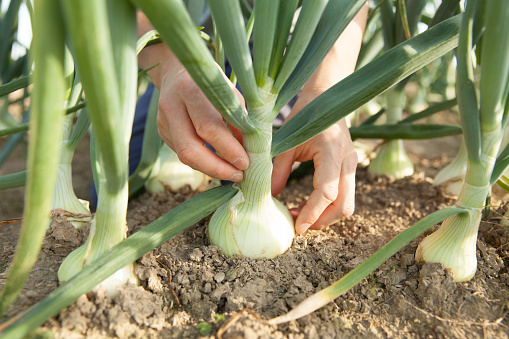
[(256, 186), (64, 196), (395, 99), (477, 178), (109, 226)]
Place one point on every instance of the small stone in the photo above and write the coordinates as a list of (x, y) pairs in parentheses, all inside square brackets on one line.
[(32, 294), (406, 260), (219, 277), (207, 288), (207, 276), (195, 296), (196, 255), (185, 280)]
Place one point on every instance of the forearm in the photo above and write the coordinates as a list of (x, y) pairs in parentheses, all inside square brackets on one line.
[(158, 54), (342, 58)]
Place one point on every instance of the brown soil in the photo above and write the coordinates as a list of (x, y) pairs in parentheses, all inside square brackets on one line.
[(190, 290)]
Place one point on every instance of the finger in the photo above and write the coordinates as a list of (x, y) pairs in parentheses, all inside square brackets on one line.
[(191, 150), (209, 126), (163, 127), (325, 183), (201, 158), (344, 205), (281, 169), (296, 210)]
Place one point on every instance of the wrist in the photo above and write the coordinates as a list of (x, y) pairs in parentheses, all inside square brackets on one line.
[(158, 55)]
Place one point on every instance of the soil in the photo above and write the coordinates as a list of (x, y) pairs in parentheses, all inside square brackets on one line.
[(190, 290)]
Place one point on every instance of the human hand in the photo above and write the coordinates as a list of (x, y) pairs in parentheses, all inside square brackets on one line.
[(335, 160), (332, 152), (186, 120)]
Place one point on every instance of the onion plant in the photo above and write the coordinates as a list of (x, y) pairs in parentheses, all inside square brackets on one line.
[(64, 197), (391, 158), (268, 84), (110, 86), (484, 111), (399, 22), (46, 118)]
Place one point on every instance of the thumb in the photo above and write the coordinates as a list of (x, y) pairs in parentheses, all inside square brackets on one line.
[(282, 167)]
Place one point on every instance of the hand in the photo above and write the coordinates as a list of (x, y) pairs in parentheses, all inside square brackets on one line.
[(335, 160), (187, 119), (332, 152)]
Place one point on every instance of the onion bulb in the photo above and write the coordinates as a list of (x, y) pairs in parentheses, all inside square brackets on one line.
[(170, 171)]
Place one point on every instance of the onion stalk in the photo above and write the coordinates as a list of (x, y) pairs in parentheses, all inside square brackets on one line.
[(253, 223), (63, 196), (454, 244), (110, 88)]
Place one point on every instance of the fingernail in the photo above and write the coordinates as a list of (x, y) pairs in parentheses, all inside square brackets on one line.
[(302, 228), (237, 177), (240, 163)]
